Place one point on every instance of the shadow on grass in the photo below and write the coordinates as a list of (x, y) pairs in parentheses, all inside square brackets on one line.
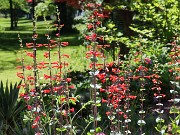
[(10, 42)]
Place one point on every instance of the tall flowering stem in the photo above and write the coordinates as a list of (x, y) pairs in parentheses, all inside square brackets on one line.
[(95, 17), (175, 71)]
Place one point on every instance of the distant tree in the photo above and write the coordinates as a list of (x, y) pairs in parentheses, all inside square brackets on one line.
[(45, 8), (73, 3), (16, 8), (67, 10)]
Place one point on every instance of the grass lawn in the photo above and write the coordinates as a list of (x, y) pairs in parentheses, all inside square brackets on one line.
[(10, 50)]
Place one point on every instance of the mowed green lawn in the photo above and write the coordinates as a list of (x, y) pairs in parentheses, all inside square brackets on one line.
[(10, 50)]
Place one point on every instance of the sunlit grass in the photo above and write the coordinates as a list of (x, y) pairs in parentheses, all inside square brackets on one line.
[(10, 50)]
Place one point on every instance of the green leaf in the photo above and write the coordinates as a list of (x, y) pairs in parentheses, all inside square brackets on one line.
[(98, 129), (174, 110), (110, 25), (61, 129)]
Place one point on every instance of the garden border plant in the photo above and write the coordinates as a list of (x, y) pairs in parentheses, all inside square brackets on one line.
[(113, 87)]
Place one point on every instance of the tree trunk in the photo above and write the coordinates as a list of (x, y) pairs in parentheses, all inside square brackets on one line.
[(11, 14)]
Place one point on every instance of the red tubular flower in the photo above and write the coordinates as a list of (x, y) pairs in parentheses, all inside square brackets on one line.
[(57, 66), (19, 67), (29, 67), (30, 78), (34, 126), (148, 77), (46, 76), (125, 116), (24, 96), (57, 88), (88, 37), (46, 54), (43, 63), (102, 90), (39, 45), (71, 110), (100, 15), (94, 36), (104, 101), (30, 54), (22, 85), (46, 91), (71, 86), (64, 43), (68, 80), (90, 5), (120, 113), (20, 75), (29, 45), (53, 41), (132, 97), (29, 107), (98, 22), (56, 62), (115, 105), (90, 26), (113, 78), (21, 95), (66, 55), (108, 113)]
